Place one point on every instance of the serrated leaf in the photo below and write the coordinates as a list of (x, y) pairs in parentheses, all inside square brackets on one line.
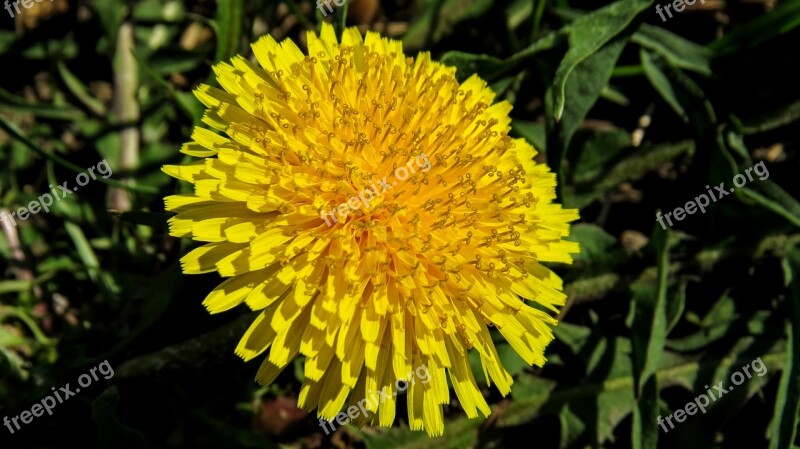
[(572, 427), (596, 244), (584, 87), (592, 151), (676, 50), (655, 71), (698, 340), (675, 304), (509, 358), (781, 20), (685, 97), (458, 435), (649, 334), (765, 192), (534, 133), (491, 68), (614, 392), (633, 167), (787, 406), (439, 17), (588, 34), (774, 198), (772, 119)]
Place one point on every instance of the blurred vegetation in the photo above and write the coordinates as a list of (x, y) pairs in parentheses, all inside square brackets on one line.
[(635, 115)]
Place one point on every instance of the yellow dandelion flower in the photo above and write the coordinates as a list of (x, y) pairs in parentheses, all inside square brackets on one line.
[(381, 219)]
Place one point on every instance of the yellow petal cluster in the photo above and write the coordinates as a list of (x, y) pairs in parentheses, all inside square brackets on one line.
[(416, 279)]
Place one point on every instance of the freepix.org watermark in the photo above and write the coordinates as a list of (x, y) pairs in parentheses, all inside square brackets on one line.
[(702, 201), (371, 402), (702, 401), (327, 3), (45, 200), (27, 4), (58, 397), (679, 6), (366, 196)]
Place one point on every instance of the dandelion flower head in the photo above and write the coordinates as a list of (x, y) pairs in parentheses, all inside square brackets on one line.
[(445, 249)]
